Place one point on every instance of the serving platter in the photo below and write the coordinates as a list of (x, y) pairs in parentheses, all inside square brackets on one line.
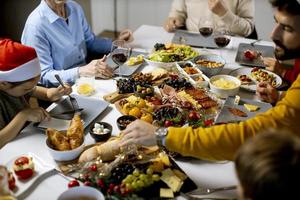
[(41, 171), (252, 86), (265, 51), (225, 116), (92, 108), (194, 39)]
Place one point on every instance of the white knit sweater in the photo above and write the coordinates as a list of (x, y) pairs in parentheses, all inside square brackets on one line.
[(239, 18)]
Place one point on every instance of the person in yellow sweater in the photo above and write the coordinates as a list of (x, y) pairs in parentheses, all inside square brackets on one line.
[(221, 142)]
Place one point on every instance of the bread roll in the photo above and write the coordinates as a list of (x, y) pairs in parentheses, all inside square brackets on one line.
[(106, 152)]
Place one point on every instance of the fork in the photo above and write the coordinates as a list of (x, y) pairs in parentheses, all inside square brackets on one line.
[(74, 102), (204, 191)]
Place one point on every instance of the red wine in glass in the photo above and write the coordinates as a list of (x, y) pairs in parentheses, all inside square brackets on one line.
[(119, 58), (206, 31), (222, 41)]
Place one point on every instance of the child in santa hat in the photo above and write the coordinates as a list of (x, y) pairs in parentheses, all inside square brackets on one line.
[(19, 74)]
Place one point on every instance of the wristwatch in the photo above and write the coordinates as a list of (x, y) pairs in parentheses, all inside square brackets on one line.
[(161, 134)]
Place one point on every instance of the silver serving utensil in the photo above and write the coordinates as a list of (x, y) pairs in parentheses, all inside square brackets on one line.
[(74, 102), (205, 191), (189, 197), (252, 43)]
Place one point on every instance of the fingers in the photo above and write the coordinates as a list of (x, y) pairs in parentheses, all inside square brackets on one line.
[(102, 69), (170, 25), (103, 59), (126, 35), (46, 115)]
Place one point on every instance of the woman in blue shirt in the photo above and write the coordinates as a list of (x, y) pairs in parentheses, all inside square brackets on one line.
[(59, 32)]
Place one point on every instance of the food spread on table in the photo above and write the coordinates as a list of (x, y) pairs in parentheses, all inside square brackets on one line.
[(161, 97)]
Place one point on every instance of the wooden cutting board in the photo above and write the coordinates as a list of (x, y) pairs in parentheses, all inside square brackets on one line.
[(115, 96)]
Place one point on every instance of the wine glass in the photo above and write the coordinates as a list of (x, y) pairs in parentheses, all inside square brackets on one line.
[(222, 38), (206, 28), (119, 54)]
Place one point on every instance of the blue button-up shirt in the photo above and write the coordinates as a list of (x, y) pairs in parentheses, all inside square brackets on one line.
[(61, 46)]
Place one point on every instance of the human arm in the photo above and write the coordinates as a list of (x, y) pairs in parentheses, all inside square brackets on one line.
[(241, 22), (94, 44), (51, 94), (36, 38), (11, 130)]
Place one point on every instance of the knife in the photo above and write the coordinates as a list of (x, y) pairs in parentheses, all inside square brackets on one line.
[(67, 112)]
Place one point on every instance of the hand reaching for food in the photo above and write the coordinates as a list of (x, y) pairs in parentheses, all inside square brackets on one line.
[(139, 132)]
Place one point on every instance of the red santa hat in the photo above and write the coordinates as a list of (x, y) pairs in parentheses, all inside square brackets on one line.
[(17, 62)]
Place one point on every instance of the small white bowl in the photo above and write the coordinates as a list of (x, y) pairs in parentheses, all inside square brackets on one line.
[(222, 92), (65, 155), (81, 192)]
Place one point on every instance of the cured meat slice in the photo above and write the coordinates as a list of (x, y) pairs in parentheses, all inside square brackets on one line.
[(237, 112)]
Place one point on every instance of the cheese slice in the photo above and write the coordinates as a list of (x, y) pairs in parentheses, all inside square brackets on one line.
[(237, 100), (251, 108), (166, 193), (171, 180)]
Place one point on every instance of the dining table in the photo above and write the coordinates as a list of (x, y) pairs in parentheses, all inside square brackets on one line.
[(206, 174)]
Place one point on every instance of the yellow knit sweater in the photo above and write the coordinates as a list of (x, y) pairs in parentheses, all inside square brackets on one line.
[(220, 142)]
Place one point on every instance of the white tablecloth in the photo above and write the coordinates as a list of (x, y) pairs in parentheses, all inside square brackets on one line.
[(203, 173)]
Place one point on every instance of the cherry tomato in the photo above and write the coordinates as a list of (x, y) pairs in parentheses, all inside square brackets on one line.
[(22, 161), (24, 174), (168, 123), (100, 183), (87, 183), (73, 183), (11, 181), (93, 168), (194, 115), (208, 122)]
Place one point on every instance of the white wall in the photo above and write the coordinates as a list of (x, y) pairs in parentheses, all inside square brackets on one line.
[(133, 13)]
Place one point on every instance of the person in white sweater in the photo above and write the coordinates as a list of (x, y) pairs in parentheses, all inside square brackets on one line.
[(236, 15)]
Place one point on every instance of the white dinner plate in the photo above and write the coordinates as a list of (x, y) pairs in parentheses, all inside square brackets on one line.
[(252, 86), (41, 170)]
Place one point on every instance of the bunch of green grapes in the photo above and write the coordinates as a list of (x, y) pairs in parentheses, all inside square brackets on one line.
[(139, 180)]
